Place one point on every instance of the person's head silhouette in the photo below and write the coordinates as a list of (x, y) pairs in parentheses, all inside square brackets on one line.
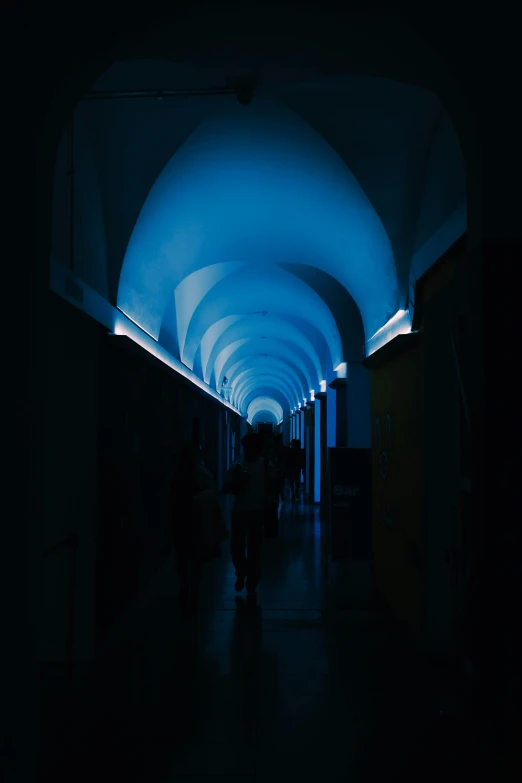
[(251, 447)]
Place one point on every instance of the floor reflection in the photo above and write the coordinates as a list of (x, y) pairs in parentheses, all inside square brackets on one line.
[(283, 688)]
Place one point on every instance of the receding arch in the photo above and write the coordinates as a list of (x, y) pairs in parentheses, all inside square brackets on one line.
[(377, 49), (372, 43), (263, 404), (264, 416), (293, 200), (257, 372), (260, 290), (247, 381), (248, 384), (302, 334), (259, 347), (269, 390), (274, 327), (341, 304)]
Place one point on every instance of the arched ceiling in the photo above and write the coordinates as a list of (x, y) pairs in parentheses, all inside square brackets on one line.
[(259, 369), (248, 347), (262, 186), (274, 328), (260, 290), (263, 245), (267, 392), (263, 407)]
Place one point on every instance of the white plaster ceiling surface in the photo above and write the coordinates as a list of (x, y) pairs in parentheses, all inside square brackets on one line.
[(264, 244)]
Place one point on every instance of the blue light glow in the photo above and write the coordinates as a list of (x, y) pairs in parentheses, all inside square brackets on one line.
[(261, 406), (248, 187), (246, 194), (277, 380), (136, 324), (399, 324), (254, 291), (263, 417), (118, 324), (123, 326), (253, 386), (233, 328), (190, 292), (267, 390), (281, 349), (317, 451), (252, 366), (268, 349)]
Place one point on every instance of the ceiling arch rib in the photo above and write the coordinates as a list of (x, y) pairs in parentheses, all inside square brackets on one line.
[(265, 403), (256, 291), (266, 348), (223, 357), (190, 292), (258, 366), (250, 383), (261, 405), (264, 416), (265, 391), (273, 327), (253, 388), (341, 304), (272, 380), (251, 186)]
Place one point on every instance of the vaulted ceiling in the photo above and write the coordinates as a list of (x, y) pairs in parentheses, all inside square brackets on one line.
[(264, 244)]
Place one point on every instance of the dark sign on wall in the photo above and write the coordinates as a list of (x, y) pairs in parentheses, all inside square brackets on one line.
[(350, 502)]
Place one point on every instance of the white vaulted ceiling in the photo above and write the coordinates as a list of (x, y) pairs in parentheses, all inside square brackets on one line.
[(265, 244)]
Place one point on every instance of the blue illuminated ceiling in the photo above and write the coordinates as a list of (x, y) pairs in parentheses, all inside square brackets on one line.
[(264, 245)]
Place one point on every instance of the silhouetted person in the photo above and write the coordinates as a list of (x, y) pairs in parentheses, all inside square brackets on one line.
[(247, 482), (295, 466), (282, 454), (193, 506), (274, 480)]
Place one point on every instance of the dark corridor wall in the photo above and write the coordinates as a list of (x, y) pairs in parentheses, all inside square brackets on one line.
[(421, 465), (146, 412), (398, 484), (114, 419)]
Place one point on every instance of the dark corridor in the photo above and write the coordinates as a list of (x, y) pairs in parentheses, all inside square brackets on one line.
[(294, 688)]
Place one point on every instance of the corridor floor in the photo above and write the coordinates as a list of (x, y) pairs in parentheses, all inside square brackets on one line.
[(291, 689)]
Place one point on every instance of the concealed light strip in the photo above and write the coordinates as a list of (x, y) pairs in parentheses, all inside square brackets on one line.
[(136, 324), (400, 323), (128, 329), (119, 323)]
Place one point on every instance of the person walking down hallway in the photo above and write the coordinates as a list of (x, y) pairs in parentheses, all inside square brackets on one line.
[(246, 481), (295, 466), (197, 522), (274, 486), (282, 454)]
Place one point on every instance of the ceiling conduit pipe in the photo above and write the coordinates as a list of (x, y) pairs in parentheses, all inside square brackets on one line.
[(100, 95), (70, 174), (242, 90)]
